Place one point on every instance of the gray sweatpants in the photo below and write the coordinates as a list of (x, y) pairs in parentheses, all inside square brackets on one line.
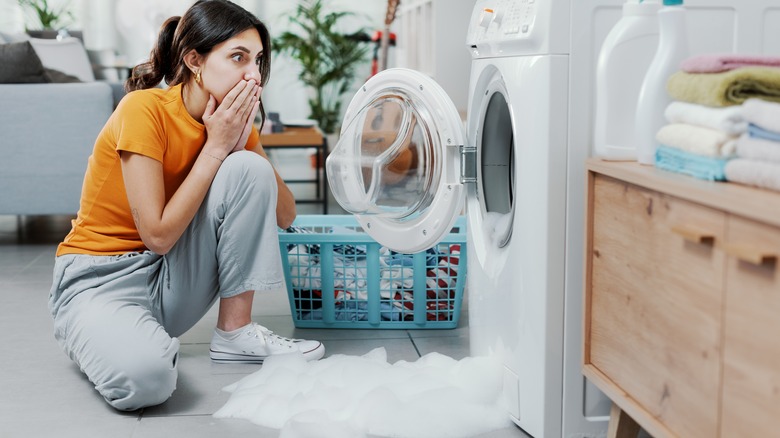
[(117, 317)]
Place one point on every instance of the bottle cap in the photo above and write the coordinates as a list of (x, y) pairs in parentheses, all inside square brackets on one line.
[(673, 2), (641, 7)]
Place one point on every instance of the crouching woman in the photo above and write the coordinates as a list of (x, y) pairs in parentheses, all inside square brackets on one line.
[(179, 209)]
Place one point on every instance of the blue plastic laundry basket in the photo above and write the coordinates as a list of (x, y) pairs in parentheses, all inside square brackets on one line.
[(339, 277)]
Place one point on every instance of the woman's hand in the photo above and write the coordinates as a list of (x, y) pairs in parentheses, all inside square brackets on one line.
[(229, 124), (250, 124)]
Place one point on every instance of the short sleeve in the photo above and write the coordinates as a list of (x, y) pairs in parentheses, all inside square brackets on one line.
[(139, 125), (253, 140)]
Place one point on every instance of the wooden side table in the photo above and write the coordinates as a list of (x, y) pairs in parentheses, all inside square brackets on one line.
[(303, 138)]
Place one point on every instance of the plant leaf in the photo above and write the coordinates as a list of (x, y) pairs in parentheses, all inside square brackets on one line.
[(328, 57)]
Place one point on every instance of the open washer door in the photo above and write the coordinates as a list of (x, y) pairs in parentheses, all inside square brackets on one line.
[(397, 164)]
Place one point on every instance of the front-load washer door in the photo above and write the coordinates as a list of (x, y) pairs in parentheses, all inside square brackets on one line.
[(396, 165)]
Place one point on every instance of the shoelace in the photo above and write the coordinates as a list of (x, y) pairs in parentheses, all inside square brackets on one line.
[(271, 337)]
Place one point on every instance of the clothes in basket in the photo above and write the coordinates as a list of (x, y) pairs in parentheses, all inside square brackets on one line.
[(349, 276)]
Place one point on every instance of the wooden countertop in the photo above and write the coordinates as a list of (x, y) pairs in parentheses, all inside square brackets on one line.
[(762, 205), (293, 136)]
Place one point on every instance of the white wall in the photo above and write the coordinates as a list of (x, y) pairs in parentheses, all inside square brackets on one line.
[(11, 18), (14, 18), (432, 39)]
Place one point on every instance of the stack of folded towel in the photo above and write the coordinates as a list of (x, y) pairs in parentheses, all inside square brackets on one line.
[(706, 118), (758, 149), (699, 140)]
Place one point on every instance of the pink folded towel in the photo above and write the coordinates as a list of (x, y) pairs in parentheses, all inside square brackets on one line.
[(718, 62)]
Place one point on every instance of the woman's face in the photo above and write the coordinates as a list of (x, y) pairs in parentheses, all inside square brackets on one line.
[(231, 61)]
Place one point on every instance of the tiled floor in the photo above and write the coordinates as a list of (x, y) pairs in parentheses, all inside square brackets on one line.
[(43, 394)]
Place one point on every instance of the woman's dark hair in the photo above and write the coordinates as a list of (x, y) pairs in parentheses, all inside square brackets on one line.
[(206, 24)]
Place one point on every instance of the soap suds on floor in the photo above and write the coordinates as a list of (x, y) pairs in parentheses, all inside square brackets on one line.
[(353, 396)]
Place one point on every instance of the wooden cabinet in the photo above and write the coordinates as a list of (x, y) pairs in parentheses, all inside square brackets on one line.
[(682, 289), (656, 304), (751, 357)]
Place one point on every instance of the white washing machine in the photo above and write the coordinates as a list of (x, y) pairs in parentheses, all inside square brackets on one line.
[(405, 165)]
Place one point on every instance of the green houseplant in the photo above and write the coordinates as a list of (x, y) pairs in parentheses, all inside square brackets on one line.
[(51, 18), (328, 57)]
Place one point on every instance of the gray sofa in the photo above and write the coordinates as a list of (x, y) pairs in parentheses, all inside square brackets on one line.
[(51, 111), (47, 132)]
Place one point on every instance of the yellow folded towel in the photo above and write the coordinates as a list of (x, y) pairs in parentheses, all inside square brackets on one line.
[(728, 88)]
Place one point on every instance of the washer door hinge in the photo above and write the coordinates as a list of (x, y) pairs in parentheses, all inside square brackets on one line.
[(468, 164)]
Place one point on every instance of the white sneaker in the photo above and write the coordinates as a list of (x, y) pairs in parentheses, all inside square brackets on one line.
[(255, 343)]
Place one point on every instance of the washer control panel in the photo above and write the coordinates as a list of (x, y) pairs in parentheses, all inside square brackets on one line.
[(514, 17), (504, 27), (504, 18)]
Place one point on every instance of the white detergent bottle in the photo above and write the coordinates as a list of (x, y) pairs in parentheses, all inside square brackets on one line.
[(623, 61), (653, 97)]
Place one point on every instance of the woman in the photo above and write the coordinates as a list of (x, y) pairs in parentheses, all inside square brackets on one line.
[(175, 213)]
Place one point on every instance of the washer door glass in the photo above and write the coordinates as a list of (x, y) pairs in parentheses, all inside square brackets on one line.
[(396, 165), (390, 148)]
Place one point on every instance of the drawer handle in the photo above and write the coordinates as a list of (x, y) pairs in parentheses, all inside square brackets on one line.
[(695, 235), (751, 254)]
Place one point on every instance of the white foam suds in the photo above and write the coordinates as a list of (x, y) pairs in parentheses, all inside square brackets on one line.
[(354, 396), (495, 225)]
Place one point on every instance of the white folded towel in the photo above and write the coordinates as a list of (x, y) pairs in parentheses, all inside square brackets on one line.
[(754, 173), (758, 149), (728, 119), (762, 113), (697, 140)]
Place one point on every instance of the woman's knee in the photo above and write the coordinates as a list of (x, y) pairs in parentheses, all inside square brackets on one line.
[(148, 379), (248, 165), (246, 177)]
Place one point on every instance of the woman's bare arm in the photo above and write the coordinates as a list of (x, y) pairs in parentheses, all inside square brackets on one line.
[(160, 225)]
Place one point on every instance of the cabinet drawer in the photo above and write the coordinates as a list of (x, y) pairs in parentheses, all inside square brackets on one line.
[(751, 355), (655, 301)]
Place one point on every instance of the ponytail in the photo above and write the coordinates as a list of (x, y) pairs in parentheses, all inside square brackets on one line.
[(149, 74)]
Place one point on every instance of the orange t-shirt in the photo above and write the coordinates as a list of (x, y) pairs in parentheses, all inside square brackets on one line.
[(153, 123)]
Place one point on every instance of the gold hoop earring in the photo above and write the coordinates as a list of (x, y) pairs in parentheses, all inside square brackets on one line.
[(197, 77)]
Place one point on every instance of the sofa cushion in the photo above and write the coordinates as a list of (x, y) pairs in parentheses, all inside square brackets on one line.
[(8, 37), (58, 77), (19, 64), (67, 55)]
